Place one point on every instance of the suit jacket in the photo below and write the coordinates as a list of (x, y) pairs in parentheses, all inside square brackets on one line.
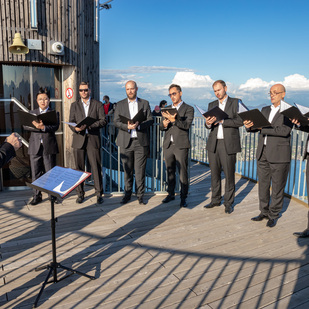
[(7, 152), (180, 129), (230, 128), (278, 148), (47, 137), (124, 135), (77, 114)]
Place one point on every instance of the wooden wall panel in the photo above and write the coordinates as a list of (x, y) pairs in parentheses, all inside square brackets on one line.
[(68, 21)]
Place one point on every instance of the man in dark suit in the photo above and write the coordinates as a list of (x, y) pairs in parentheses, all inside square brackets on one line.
[(223, 144), (273, 156), (176, 144), (8, 149), (42, 144), (133, 140), (87, 139), (305, 233)]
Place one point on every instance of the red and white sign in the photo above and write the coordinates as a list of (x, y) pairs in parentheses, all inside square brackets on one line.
[(69, 93)]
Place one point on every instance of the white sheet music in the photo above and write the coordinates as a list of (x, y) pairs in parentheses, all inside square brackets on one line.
[(284, 106), (303, 109), (242, 107), (200, 110)]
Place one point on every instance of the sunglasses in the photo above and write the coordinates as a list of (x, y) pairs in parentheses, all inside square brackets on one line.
[(83, 90)]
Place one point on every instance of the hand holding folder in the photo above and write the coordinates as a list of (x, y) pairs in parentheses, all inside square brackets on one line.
[(139, 117), (88, 121), (48, 118), (254, 117), (214, 112), (297, 112)]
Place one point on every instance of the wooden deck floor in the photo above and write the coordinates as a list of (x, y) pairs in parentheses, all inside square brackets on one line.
[(155, 256)]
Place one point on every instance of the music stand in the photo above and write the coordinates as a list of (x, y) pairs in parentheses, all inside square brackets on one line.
[(57, 182)]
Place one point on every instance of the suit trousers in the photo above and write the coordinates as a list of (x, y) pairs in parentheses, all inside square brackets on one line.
[(134, 157), (219, 160), (177, 157), (274, 174), (94, 157), (40, 164)]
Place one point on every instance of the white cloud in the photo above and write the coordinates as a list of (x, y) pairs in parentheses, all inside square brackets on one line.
[(255, 84), (192, 80), (153, 83), (296, 82), (291, 82)]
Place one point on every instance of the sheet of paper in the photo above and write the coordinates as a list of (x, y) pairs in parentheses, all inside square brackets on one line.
[(242, 107), (303, 109), (200, 110), (284, 106), (61, 180), (72, 124)]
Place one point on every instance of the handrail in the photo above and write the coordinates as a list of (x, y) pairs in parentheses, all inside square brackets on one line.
[(19, 104)]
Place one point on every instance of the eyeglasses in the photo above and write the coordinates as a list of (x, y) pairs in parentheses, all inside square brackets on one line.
[(274, 93), (83, 90), (173, 94)]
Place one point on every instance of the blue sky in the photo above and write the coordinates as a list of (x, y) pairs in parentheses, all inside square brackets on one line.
[(249, 44)]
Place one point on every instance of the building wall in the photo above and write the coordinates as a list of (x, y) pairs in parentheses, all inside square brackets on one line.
[(68, 21)]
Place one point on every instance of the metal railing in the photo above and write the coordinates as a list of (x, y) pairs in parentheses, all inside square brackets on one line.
[(246, 160)]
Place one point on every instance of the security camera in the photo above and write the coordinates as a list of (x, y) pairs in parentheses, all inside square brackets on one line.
[(56, 48)]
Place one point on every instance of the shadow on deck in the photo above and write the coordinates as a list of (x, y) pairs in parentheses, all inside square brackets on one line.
[(155, 256)]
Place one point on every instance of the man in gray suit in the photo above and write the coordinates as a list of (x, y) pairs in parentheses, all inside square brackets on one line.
[(176, 144), (223, 144), (133, 140), (273, 156), (305, 233), (87, 139), (43, 146)]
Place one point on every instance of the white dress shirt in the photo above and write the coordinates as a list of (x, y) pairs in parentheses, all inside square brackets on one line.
[(274, 110), (177, 107), (86, 109), (220, 128), (133, 109)]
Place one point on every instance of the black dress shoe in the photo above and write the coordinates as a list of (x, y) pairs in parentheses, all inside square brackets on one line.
[(168, 198), (126, 199), (183, 203), (36, 200), (229, 209), (271, 222), (303, 234), (80, 199), (141, 201), (100, 200), (260, 217), (212, 205)]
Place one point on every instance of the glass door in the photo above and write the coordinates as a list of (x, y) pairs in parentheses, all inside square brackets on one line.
[(23, 83)]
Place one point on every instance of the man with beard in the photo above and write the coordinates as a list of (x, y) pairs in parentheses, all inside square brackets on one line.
[(222, 145), (133, 140)]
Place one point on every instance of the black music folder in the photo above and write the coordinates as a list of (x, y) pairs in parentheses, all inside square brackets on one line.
[(258, 119), (48, 118), (294, 112), (140, 117), (88, 121), (214, 112), (171, 110)]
